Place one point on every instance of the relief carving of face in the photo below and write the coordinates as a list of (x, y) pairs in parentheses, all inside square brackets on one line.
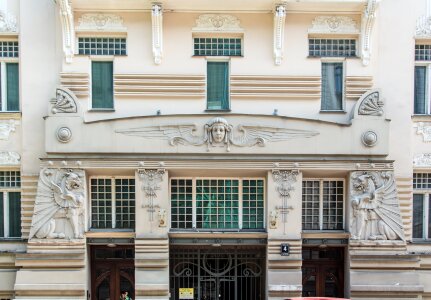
[(218, 132)]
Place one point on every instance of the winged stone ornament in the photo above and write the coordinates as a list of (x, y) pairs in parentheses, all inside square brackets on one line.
[(218, 133)]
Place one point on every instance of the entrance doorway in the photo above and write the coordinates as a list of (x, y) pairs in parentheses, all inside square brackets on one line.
[(218, 274), (112, 271), (323, 272)]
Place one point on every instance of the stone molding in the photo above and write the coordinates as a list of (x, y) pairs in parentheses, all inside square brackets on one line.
[(424, 129), (67, 26), (100, 22), (368, 20), (9, 158), (217, 23), (157, 30), (8, 22), (422, 160), (279, 25), (334, 25), (6, 127)]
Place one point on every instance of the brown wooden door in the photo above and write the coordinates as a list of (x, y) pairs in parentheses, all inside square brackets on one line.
[(323, 272), (112, 271)]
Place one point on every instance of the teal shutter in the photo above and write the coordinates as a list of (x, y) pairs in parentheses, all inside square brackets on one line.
[(1, 215), (418, 216), (14, 214), (102, 86), (420, 90), (217, 85), (332, 86), (12, 87)]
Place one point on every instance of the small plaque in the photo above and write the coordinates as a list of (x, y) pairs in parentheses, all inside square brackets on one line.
[(186, 293), (284, 250)]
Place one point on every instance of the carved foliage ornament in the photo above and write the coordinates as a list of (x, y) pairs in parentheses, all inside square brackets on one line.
[(157, 26), (7, 22), (371, 105), (60, 195), (368, 19), (66, 17), (64, 102), (9, 158), (284, 180), (424, 128), (218, 133), (100, 22), (6, 127), (375, 211), (213, 22), (334, 24), (151, 180), (422, 160), (279, 24)]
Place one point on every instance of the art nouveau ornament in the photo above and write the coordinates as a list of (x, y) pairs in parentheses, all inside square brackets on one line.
[(9, 158), (371, 105), (100, 22), (213, 22), (60, 197), (64, 134), (333, 25), (64, 102), (218, 133), (422, 160), (368, 19), (6, 127), (423, 24), (424, 129), (369, 138), (279, 24), (7, 22), (66, 17), (284, 180), (157, 26), (151, 180), (375, 212)]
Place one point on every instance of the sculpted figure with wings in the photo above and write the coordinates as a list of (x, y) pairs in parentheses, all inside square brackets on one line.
[(375, 208), (60, 194), (218, 133)]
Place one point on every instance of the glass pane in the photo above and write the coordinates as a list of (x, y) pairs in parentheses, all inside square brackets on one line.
[(420, 90), (103, 290), (181, 203), (102, 84), (217, 85), (101, 202), (429, 216), (418, 216), (14, 214), (12, 87), (332, 86), (331, 283), (1, 215), (125, 203), (252, 202)]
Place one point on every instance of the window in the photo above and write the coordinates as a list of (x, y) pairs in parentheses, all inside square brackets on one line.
[(217, 46), (422, 80), (9, 76), (102, 85), (332, 86), (112, 202), (421, 206), (10, 204), (332, 47), (102, 46), (217, 203), (323, 204), (218, 85)]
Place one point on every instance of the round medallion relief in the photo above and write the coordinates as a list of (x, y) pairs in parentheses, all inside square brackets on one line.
[(369, 138), (64, 134)]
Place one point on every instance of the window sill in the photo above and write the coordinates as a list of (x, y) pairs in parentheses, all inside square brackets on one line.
[(11, 239), (217, 110), (96, 110), (332, 112), (421, 117), (334, 57), (10, 114), (421, 241)]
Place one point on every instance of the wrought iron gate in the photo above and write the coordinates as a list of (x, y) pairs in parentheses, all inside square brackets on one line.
[(218, 274)]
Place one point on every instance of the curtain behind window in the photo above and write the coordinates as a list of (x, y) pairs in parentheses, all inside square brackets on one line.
[(418, 217), (102, 84), (1, 215), (14, 214), (332, 86), (12, 86), (217, 85), (420, 90)]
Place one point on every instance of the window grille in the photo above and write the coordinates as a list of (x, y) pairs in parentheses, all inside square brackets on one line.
[(9, 49), (217, 46), (217, 203), (422, 181), (102, 46), (10, 179), (332, 47), (112, 202), (423, 52), (323, 204)]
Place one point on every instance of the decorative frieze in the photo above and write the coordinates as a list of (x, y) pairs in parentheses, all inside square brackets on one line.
[(151, 180), (7, 22), (9, 158), (375, 210), (216, 23), (368, 19), (424, 129), (423, 24), (60, 196), (279, 24), (67, 26), (218, 133), (284, 180), (422, 160), (64, 102), (333, 25), (157, 27), (101, 22), (6, 127)]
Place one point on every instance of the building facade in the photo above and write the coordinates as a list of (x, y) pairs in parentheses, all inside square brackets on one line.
[(215, 149)]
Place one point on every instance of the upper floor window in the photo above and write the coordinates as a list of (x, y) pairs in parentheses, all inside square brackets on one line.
[(331, 47), (102, 85), (322, 204), (9, 76), (422, 206), (211, 204), (217, 46), (332, 86), (112, 202), (10, 204), (102, 46), (422, 80)]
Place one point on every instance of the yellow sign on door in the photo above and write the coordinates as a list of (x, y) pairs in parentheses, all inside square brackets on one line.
[(186, 293)]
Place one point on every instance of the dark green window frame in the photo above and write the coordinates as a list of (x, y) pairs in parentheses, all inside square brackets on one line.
[(102, 85), (9, 77), (10, 204), (218, 85), (332, 86)]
